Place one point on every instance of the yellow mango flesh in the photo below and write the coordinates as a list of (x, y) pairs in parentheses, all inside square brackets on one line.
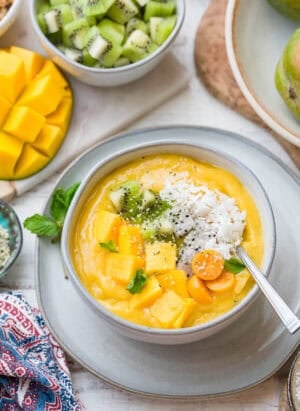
[(106, 226), (35, 108), (24, 123), (160, 257), (167, 308), (175, 280), (43, 95), (5, 107), (12, 76), (33, 62), (10, 151), (131, 241), (48, 140), (152, 171)]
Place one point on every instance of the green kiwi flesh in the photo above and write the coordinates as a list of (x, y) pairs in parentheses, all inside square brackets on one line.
[(107, 33)]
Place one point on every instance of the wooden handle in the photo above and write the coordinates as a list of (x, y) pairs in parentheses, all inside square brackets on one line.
[(7, 190)]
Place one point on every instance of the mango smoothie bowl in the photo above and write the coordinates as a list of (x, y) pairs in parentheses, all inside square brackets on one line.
[(150, 241)]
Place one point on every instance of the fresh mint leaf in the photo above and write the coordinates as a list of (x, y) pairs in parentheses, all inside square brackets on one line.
[(42, 226), (138, 282), (61, 201), (51, 227), (58, 208), (110, 246), (233, 265), (69, 194)]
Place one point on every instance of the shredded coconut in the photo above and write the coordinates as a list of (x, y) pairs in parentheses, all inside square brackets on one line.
[(204, 219), (4, 247)]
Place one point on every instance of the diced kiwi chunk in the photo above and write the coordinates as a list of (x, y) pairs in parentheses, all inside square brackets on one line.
[(158, 9), (96, 45), (121, 62), (161, 28), (141, 3), (97, 7), (72, 54), (112, 31), (127, 200), (148, 198), (137, 46), (122, 11), (54, 3), (77, 7), (136, 24), (74, 33), (53, 20)]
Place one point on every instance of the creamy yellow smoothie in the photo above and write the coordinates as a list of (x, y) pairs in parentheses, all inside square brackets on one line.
[(150, 280)]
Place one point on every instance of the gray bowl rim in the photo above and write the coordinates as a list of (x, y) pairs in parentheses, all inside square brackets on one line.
[(17, 251), (114, 70), (127, 325)]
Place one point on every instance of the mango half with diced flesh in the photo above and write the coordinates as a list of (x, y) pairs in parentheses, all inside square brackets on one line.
[(35, 110), (287, 75)]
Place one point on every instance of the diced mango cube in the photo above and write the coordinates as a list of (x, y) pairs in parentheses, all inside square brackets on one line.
[(148, 295), (131, 240), (49, 140), (10, 151), (12, 76), (50, 68), (175, 280), (33, 62), (167, 308), (24, 123), (5, 106), (43, 95), (241, 280), (106, 226), (160, 257), (121, 267), (30, 161), (189, 306), (60, 117)]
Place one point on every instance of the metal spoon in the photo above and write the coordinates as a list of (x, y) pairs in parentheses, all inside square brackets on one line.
[(289, 319)]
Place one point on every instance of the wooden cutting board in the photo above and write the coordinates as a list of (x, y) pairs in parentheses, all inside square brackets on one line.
[(215, 72)]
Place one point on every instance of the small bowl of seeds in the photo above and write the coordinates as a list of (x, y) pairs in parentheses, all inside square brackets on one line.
[(8, 13), (11, 237)]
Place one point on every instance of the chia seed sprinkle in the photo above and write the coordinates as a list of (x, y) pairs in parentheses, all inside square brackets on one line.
[(4, 247)]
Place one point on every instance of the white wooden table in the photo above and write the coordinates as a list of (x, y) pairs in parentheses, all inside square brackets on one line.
[(195, 107)]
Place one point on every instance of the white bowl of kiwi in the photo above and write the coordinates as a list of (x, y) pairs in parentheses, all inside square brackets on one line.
[(107, 42)]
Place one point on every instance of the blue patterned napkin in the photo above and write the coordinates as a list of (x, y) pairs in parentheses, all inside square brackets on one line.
[(34, 375)]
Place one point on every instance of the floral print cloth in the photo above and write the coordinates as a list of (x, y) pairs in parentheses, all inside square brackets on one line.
[(34, 375)]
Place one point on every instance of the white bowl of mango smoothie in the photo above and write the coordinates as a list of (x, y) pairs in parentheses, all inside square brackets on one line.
[(150, 241)]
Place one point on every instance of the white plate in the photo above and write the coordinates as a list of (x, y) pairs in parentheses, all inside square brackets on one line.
[(243, 355), (256, 35)]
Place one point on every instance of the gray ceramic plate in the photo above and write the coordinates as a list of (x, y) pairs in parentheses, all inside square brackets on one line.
[(256, 35), (243, 355)]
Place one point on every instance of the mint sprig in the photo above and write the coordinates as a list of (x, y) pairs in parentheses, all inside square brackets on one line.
[(51, 227), (234, 266), (138, 282), (109, 246)]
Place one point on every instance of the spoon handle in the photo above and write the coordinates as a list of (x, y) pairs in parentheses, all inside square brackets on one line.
[(289, 319)]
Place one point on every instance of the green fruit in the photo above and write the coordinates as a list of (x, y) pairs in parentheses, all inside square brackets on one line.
[(287, 75), (290, 8)]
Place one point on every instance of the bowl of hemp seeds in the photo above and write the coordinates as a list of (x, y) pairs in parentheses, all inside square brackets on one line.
[(11, 237)]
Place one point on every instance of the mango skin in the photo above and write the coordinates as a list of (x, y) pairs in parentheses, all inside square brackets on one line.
[(290, 8), (287, 74)]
